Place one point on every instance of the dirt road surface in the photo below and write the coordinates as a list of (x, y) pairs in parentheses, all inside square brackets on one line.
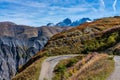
[(116, 74), (48, 65)]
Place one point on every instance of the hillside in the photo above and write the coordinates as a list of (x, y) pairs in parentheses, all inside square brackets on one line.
[(93, 66), (18, 43), (95, 36), (101, 35)]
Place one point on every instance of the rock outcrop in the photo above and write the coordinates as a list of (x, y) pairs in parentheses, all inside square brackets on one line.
[(18, 43)]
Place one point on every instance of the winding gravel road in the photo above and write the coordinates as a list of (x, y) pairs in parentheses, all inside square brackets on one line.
[(49, 64), (116, 74)]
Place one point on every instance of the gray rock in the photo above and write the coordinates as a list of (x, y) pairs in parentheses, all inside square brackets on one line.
[(18, 43), (15, 52)]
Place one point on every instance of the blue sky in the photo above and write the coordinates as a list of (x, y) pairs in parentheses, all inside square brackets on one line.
[(41, 12)]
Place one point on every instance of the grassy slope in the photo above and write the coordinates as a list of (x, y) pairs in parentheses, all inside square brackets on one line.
[(64, 65), (30, 73), (84, 43), (95, 69), (100, 70), (77, 40)]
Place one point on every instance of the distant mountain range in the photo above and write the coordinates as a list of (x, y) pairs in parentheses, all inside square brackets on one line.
[(68, 22)]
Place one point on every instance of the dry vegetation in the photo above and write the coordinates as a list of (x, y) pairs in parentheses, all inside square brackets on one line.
[(96, 36), (31, 72), (92, 67), (84, 43), (98, 25), (100, 70), (100, 35)]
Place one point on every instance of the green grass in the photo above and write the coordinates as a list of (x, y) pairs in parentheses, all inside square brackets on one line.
[(102, 42)]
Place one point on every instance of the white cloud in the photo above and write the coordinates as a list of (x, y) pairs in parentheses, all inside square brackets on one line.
[(102, 5), (39, 12), (90, 5), (114, 5)]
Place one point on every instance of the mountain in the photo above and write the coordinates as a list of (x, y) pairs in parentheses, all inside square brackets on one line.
[(64, 23), (101, 35), (87, 37), (81, 21), (68, 22), (18, 43)]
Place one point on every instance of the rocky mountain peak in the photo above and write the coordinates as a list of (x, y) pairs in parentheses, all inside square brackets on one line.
[(67, 21), (85, 20)]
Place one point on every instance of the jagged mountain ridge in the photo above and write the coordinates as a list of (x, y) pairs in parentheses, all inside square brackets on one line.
[(102, 35), (68, 22), (18, 43)]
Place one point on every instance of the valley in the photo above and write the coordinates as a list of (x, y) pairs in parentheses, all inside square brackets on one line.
[(59, 40)]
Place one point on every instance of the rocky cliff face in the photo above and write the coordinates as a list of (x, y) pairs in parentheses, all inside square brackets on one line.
[(18, 43)]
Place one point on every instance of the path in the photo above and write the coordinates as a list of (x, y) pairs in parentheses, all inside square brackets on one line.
[(116, 74), (49, 64)]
